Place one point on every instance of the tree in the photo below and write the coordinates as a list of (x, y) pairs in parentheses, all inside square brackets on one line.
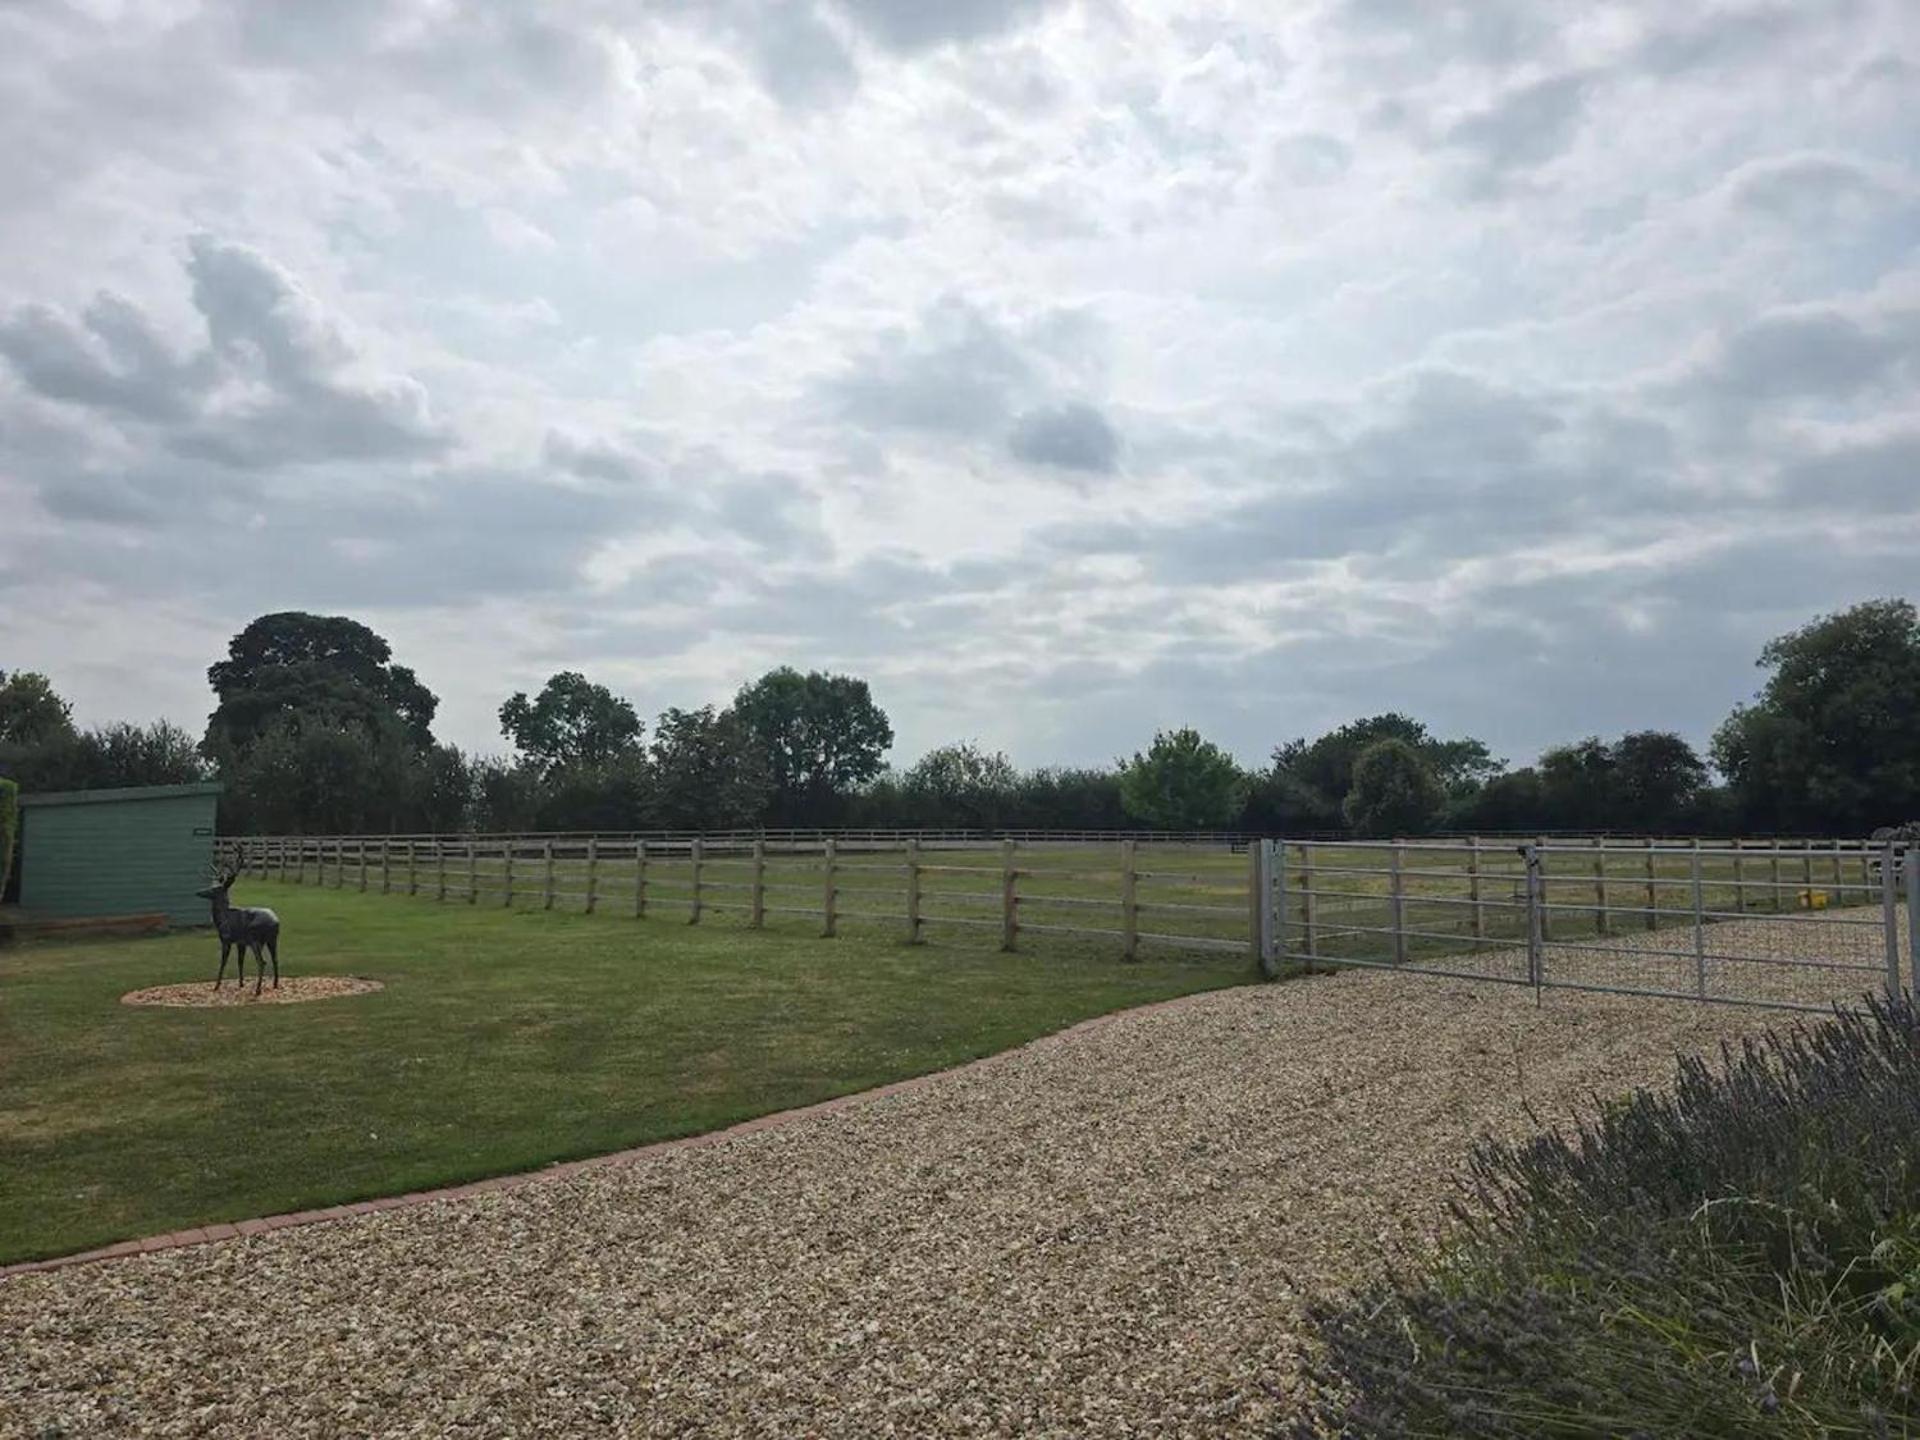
[(1830, 741), (1182, 782), (295, 668), (307, 776), (1659, 782), (572, 722), (1394, 792), (30, 712), (1309, 782), (821, 736), (1577, 784), (707, 771), (110, 757), (960, 785)]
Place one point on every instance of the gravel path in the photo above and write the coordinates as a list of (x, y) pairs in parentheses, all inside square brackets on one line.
[(1103, 1233)]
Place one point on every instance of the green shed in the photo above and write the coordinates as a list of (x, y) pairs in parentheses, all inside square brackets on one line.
[(117, 852)]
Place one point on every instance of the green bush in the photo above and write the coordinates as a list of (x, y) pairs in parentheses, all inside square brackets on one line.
[(1740, 1257), (9, 828)]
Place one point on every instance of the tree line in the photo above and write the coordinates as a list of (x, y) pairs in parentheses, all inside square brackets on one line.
[(317, 729)]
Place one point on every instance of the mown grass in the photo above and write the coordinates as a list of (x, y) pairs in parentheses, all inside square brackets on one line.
[(504, 1040)]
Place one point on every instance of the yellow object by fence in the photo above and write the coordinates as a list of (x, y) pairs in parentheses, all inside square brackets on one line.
[(1813, 899)]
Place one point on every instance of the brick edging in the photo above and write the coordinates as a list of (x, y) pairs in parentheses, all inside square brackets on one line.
[(777, 1119)]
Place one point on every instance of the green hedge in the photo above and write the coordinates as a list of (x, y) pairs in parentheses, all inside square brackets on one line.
[(9, 828)]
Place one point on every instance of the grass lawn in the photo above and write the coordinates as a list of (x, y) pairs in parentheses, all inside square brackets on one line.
[(505, 1039)]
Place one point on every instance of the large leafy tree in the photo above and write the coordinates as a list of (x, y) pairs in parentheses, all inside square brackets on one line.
[(1394, 791), (821, 736), (1182, 782), (571, 722), (707, 771), (293, 669), (1831, 740), (1659, 782), (30, 712), (959, 785), (1309, 782)]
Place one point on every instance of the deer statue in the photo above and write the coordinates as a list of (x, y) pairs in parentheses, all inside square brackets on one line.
[(244, 927)]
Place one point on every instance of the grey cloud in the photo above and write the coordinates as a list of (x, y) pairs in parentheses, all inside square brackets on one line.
[(1523, 129), (956, 374), (1074, 436), (1311, 158), (277, 384), (137, 375), (1722, 36), (911, 25), (597, 460), (775, 512), (1803, 188), (1487, 32), (1810, 353)]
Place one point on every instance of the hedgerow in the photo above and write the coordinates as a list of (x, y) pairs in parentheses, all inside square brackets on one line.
[(1739, 1256)]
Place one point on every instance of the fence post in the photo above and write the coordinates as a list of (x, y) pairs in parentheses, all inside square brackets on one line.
[(1600, 925), (1009, 899), (1397, 901), (507, 847), (1129, 901), (473, 872), (1806, 870), (593, 872), (1699, 921), (639, 879), (1839, 878), (1536, 919), (413, 867), (1739, 878), (1546, 920), (280, 859), (360, 854), (546, 881), (1273, 907), (300, 861), (1473, 888), (1309, 906), (1890, 913), (1773, 866), (439, 868), (695, 855), (913, 890), (829, 900), (1913, 914), (1653, 890)]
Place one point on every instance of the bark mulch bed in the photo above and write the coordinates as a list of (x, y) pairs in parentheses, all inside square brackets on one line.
[(1105, 1233), (200, 994)]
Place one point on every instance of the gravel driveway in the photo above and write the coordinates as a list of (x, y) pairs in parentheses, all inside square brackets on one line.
[(1103, 1233)]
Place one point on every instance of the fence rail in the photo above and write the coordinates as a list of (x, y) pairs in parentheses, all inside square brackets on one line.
[(1193, 895), (1774, 922)]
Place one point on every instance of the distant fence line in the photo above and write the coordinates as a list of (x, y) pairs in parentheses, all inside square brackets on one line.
[(758, 874), (1288, 904)]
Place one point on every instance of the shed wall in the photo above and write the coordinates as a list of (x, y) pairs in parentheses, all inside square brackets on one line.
[(118, 857)]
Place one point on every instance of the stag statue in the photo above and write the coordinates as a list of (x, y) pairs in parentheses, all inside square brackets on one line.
[(244, 927), (1905, 836)]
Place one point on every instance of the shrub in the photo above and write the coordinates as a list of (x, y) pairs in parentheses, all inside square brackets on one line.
[(1738, 1257), (9, 828), (1394, 792)]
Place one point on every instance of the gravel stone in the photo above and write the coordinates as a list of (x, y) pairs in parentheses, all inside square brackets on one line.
[(1108, 1232), (291, 991)]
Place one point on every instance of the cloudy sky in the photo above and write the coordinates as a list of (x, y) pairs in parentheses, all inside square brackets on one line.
[(1067, 369)]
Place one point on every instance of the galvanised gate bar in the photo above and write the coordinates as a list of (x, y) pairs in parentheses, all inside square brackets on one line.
[(1796, 924)]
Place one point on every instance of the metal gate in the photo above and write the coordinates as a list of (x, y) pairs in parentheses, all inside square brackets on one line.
[(1787, 924)]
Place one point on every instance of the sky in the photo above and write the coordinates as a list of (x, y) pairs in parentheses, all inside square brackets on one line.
[(1068, 370)]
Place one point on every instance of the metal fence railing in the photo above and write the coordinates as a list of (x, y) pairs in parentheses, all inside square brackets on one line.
[(1791, 924)]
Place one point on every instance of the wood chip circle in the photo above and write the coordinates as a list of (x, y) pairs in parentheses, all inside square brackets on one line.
[(200, 994)]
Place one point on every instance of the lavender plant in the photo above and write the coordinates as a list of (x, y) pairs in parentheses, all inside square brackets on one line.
[(1739, 1256)]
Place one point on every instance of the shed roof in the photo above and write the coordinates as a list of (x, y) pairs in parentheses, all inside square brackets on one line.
[(102, 797)]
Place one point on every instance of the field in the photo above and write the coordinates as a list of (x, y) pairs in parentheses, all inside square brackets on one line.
[(504, 1039)]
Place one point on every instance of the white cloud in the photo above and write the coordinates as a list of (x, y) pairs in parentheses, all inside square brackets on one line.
[(1067, 368)]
